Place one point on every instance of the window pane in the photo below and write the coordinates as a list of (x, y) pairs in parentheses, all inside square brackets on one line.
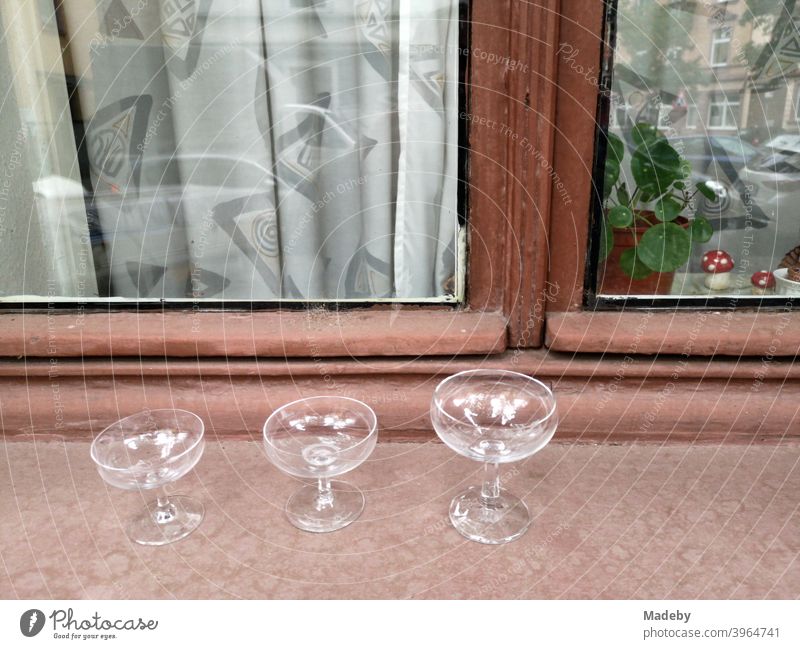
[(716, 115), (720, 46), (733, 129), (213, 150)]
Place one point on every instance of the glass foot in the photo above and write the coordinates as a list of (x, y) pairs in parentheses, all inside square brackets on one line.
[(312, 511), (493, 521), (161, 525)]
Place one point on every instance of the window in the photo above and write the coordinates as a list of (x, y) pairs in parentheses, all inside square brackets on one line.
[(691, 116), (633, 322), (697, 212), (722, 112), (720, 46), (264, 152), (480, 321)]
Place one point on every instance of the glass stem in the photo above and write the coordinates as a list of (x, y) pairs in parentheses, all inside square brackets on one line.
[(325, 495), (164, 511), (490, 491)]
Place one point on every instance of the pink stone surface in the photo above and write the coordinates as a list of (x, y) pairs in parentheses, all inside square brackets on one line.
[(624, 521)]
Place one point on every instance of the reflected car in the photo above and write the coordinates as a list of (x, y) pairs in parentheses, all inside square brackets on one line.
[(704, 151), (741, 224), (757, 217), (144, 218), (774, 176)]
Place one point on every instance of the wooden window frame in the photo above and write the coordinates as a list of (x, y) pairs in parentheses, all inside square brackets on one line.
[(501, 272), (70, 373), (572, 326)]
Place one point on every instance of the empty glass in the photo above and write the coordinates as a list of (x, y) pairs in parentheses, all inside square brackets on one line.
[(146, 451), (319, 438), (494, 417)]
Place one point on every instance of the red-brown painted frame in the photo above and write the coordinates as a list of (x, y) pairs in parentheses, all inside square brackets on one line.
[(512, 87)]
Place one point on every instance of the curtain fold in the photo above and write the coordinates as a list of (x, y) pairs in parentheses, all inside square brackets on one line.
[(264, 150), (44, 234)]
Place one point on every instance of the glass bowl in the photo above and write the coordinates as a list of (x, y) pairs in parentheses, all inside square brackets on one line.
[(494, 417), (147, 451), (318, 438)]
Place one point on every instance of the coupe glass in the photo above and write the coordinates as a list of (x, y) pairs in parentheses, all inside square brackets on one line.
[(319, 438), (148, 450), (494, 417)]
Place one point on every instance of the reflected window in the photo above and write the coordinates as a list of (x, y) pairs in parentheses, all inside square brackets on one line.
[(691, 116), (722, 112), (720, 46)]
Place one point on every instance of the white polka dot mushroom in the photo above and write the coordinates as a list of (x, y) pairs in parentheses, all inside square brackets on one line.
[(763, 282), (717, 265)]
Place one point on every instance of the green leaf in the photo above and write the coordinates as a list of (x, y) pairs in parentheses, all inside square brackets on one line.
[(620, 216), (610, 178), (665, 247), (643, 133), (668, 208), (622, 195), (701, 229), (632, 266), (606, 240), (614, 154), (616, 148), (680, 185), (706, 191), (655, 167)]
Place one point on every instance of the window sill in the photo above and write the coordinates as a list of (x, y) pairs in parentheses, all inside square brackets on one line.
[(311, 334), (688, 333)]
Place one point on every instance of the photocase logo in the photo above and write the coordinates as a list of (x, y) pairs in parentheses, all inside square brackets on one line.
[(31, 622), (68, 627)]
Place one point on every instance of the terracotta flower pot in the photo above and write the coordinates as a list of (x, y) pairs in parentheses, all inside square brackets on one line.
[(614, 281)]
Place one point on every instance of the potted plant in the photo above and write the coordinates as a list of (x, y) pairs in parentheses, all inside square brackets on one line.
[(645, 235)]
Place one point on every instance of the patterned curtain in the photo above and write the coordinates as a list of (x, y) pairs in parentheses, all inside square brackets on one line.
[(265, 149)]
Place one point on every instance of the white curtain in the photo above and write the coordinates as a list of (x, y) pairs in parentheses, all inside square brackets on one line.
[(266, 149), (45, 242)]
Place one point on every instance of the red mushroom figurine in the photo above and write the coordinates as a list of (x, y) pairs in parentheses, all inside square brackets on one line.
[(763, 281), (717, 265)]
